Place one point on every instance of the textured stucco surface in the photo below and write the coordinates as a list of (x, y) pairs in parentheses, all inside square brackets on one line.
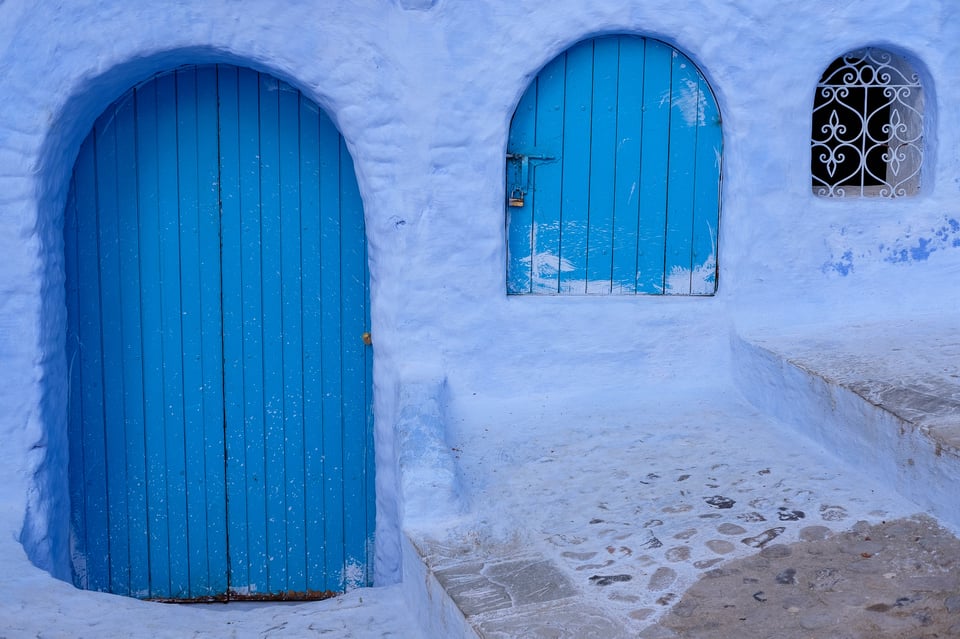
[(423, 93)]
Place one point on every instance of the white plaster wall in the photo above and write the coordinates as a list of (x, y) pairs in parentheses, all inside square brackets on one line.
[(423, 92)]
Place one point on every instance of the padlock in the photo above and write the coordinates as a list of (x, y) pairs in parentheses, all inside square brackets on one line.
[(516, 198)]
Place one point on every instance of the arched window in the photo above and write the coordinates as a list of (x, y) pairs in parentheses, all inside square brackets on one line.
[(867, 138), (613, 174)]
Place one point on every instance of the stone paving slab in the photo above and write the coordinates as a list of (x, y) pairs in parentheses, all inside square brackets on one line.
[(608, 525)]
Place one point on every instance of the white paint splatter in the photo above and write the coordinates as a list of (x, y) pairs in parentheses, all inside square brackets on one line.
[(353, 576), (701, 280), (689, 100)]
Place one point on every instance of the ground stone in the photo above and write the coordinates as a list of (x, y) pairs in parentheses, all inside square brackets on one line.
[(814, 589), (814, 620), (814, 533), (776, 551), (952, 603), (720, 546), (662, 578)]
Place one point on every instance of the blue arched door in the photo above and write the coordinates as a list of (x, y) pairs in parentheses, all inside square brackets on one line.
[(220, 413), (613, 174)]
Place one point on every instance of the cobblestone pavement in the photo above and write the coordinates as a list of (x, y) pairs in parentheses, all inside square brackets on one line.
[(896, 580), (671, 525)]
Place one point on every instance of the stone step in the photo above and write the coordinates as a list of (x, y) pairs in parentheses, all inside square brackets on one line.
[(883, 397)]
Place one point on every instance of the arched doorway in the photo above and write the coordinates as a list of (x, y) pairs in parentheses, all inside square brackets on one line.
[(613, 174), (220, 422)]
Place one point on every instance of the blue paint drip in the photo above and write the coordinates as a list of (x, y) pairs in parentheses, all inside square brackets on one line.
[(923, 250), (844, 266), (947, 235), (898, 256)]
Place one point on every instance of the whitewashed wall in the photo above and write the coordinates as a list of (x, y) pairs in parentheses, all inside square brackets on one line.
[(423, 93)]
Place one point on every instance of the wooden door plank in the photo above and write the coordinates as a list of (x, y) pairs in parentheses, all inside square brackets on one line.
[(211, 332), (95, 573), (191, 322), (706, 200), (575, 188), (603, 152), (148, 185), (313, 391), (172, 336), (686, 113), (272, 336), (254, 397), (520, 218), (112, 350), (545, 178), (136, 520), (654, 167), (331, 323), (353, 365), (626, 209), (291, 220), (231, 209), (76, 466), (369, 458)]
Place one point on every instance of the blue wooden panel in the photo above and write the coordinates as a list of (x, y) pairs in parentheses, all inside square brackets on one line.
[(191, 320), (313, 391), (686, 113), (369, 451), (213, 486), (91, 505), (148, 185), (654, 162), (546, 176), (75, 468), (221, 436), (353, 365), (603, 169), (533, 229), (136, 519), (231, 198), (272, 336), (172, 336), (626, 188), (112, 348), (630, 205), (254, 518), (706, 196), (331, 346), (233, 357), (291, 291), (520, 218), (94, 426), (575, 182)]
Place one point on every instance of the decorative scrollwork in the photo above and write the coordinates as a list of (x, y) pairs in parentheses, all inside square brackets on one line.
[(867, 135)]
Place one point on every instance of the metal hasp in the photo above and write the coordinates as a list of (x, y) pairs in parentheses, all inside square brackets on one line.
[(519, 171)]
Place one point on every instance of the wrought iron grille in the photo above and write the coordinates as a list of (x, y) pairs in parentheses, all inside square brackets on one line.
[(867, 127)]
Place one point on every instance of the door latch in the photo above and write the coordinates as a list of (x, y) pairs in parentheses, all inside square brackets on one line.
[(520, 184)]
